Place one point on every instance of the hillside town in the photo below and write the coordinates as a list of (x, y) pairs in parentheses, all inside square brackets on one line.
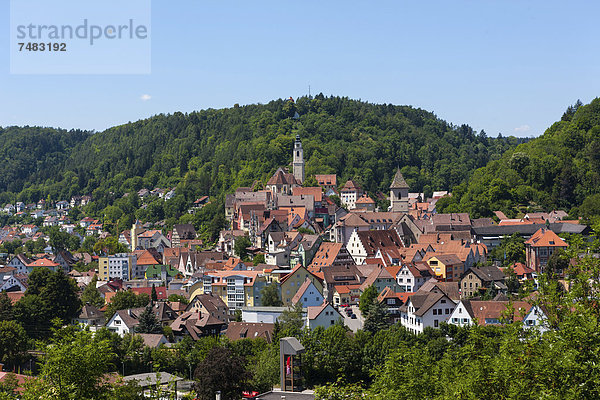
[(319, 250)]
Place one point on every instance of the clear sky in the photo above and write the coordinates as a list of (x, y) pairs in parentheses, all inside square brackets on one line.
[(503, 66)]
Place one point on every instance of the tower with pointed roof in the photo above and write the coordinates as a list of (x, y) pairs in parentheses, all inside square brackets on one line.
[(298, 163), (399, 194)]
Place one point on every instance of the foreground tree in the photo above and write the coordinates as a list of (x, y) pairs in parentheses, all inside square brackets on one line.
[(91, 295), (50, 295), (269, 296), (13, 343), (377, 317), (6, 307), (148, 322), (366, 300), (222, 371)]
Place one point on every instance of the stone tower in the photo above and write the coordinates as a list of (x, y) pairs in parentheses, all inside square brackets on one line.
[(399, 194), (298, 163)]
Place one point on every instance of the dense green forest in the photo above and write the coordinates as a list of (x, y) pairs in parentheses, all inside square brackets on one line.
[(558, 170), (32, 154), (213, 151)]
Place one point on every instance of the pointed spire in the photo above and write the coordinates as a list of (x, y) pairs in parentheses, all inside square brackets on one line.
[(399, 182)]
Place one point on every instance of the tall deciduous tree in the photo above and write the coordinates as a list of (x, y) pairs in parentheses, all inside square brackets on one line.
[(366, 300), (269, 296), (13, 343), (222, 371), (91, 295), (6, 307)]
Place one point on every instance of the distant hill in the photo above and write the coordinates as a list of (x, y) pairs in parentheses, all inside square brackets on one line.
[(32, 154), (214, 151), (558, 170)]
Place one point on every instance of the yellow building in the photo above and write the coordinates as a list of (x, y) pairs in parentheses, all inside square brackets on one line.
[(292, 282), (237, 289), (116, 266), (448, 267)]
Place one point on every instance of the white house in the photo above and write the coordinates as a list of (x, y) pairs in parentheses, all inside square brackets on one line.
[(20, 262), (267, 315), (11, 281), (349, 194), (536, 319), (366, 244), (308, 295), (324, 315), (412, 276), (426, 310), (124, 321), (91, 317), (469, 312)]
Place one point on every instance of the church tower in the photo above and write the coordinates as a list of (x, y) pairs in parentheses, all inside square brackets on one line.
[(298, 163), (399, 194), (136, 229)]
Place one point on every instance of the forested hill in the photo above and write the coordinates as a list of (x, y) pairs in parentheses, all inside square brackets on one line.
[(213, 151), (558, 170), (32, 154)]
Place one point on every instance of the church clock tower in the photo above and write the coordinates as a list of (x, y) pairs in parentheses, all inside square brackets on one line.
[(298, 163)]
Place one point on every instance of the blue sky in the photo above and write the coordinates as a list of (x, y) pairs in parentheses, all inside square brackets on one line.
[(503, 66)]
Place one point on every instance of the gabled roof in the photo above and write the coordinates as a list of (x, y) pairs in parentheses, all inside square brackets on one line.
[(152, 340), (301, 291), (353, 220), (365, 199), (487, 274), (446, 259), (43, 262), (379, 239), (495, 310), (450, 289), (89, 312), (280, 177), (194, 323), (210, 302), (422, 302), (398, 182), (147, 258), (314, 311), (328, 180), (521, 269), (161, 291), (326, 254), (351, 185), (250, 330), (316, 192), (545, 238), (377, 273)]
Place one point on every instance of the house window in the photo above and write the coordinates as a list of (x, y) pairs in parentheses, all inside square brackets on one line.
[(443, 301), (435, 323)]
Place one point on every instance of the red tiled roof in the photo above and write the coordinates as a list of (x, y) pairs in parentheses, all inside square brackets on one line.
[(546, 238)]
